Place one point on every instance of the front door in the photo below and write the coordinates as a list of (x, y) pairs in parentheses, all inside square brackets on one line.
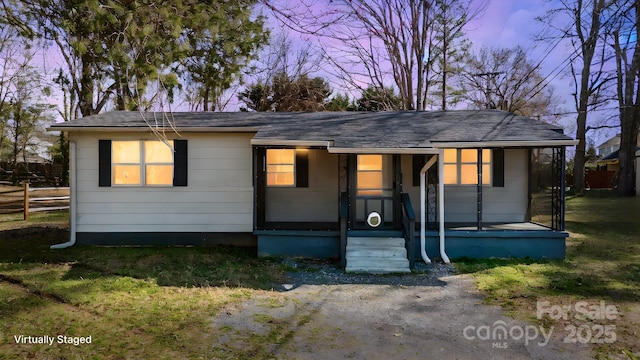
[(374, 192)]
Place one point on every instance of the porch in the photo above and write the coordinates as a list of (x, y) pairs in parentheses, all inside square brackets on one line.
[(524, 218)]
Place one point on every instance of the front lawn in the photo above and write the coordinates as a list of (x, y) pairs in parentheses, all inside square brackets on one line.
[(147, 303), (602, 268)]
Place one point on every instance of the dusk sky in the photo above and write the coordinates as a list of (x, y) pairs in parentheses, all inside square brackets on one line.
[(509, 23), (505, 23)]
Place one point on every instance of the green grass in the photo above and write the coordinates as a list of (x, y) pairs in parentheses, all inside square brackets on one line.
[(135, 302), (602, 264), (47, 218)]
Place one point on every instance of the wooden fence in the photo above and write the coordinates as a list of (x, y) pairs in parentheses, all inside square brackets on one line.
[(600, 179), (26, 200)]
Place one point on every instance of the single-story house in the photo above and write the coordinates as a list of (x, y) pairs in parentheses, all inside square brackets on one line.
[(379, 190)]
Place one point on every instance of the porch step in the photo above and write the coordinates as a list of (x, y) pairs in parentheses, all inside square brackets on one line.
[(376, 255), (375, 241)]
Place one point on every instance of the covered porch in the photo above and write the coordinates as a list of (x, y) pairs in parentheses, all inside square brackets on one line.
[(537, 231)]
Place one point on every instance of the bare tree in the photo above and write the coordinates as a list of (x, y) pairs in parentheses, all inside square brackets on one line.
[(16, 74), (28, 115), (587, 64), (626, 28), (448, 46), (508, 80), (283, 80), (375, 41)]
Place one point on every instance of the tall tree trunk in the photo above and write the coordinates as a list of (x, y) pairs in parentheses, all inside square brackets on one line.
[(64, 151), (445, 48), (628, 85), (86, 87), (205, 98), (588, 46)]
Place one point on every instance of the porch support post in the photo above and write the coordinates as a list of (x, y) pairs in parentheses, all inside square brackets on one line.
[(563, 183), (443, 255), (557, 189), (479, 204), (423, 208), (259, 184)]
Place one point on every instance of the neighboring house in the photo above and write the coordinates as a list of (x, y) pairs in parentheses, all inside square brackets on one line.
[(324, 184), (609, 146), (608, 152), (608, 164)]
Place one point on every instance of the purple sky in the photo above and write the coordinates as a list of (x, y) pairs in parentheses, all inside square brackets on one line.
[(505, 23), (509, 23)]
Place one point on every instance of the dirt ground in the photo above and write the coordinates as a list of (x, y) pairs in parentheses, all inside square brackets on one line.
[(383, 317)]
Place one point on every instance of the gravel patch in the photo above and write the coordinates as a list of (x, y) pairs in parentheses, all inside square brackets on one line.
[(320, 312), (326, 272)]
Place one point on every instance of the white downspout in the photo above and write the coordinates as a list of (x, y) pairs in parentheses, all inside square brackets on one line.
[(443, 255), (72, 199), (423, 198)]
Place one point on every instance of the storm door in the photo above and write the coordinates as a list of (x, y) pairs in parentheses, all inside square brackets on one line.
[(374, 196)]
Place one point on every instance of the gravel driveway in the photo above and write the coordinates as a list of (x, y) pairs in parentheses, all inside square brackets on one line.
[(323, 313)]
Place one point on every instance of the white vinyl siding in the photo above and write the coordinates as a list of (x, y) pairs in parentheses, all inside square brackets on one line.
[(499, 204), (218, 198)]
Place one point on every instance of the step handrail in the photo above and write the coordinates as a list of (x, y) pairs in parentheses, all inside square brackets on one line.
[(409, 227)]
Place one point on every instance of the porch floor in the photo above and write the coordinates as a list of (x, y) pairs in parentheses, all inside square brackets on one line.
[(507, 226)]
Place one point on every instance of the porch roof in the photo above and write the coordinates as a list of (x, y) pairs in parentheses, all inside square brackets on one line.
[(413, 131)]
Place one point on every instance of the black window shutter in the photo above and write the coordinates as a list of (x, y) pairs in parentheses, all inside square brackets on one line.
[(418, 163), (180, 163), (104, 163), (302, 169), (498, 167)]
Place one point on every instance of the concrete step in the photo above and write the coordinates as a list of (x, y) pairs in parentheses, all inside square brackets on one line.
[(376, 251), (377, 265), (375, 241), (376, 255)]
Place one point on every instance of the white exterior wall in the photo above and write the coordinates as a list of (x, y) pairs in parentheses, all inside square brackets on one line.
[(316, 203), (499, 204), (218, 196)]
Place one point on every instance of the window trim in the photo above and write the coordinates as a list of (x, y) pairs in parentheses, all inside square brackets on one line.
[(180, 162), (293, 165), (459, 163), (143, 165)]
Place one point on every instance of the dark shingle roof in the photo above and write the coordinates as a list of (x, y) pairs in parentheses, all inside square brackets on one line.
[(614, 155), (347, 129)]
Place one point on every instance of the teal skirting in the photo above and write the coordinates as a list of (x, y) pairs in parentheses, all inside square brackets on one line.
[(535, 244), (294, 243)]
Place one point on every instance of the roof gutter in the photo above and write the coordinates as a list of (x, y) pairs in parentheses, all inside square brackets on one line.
[(73, 180), (199, 129), (310, 143), (503, 144), (343, 150)]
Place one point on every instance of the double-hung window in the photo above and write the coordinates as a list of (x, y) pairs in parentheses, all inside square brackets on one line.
[(281, 167), (461, 166), (142, 162)]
